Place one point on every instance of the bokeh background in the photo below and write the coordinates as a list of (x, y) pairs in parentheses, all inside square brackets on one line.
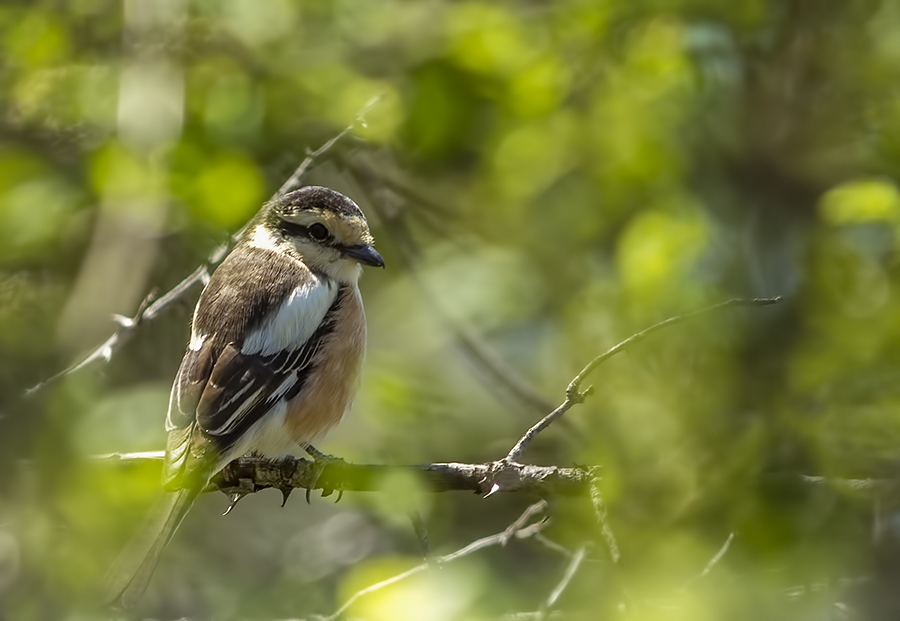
[(544, 179)]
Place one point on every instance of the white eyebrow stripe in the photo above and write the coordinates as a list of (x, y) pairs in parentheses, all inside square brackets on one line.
[(295, 321), (262, 238)]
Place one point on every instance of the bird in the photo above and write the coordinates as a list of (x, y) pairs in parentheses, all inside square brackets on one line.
[(276, 347)]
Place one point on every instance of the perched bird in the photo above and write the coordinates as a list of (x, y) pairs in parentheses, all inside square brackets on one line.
[(277, 340)]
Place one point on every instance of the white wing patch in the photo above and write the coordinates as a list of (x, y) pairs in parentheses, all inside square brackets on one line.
[(291, 325)]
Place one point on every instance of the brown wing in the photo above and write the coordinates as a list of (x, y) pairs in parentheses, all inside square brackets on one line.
[(221, 393)]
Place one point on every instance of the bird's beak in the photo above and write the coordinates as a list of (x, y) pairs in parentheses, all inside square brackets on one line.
[(365, 254)]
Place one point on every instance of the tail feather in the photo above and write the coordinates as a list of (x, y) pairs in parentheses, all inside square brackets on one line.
[(127, 579)]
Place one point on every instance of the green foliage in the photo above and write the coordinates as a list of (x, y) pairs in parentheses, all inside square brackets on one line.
[(545, 178)]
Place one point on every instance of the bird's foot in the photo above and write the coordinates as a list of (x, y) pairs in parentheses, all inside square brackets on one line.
[(320, 462)]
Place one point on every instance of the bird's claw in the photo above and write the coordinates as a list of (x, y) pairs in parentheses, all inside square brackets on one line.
[(234, 499), (285, 494), (288, 467), (320, 462)]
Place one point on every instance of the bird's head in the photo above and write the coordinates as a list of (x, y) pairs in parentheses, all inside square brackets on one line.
[(325, 228)]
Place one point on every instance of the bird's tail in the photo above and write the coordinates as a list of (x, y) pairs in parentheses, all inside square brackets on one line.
[(129, 575)]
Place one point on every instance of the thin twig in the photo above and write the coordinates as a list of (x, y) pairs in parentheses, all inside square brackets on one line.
[(552, 545), (844, 485), (571, 569), (421, 532), (294, 180), (575, 395), (602, 519), (104, 351), (146, 312), (575, 384), (520, 529), (718, 557)]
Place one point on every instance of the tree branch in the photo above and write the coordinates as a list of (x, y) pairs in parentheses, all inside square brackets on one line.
[(252, 474)]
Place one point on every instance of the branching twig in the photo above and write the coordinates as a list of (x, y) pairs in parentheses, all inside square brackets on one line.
[(147, 311), (575, 395), (127, 327), (520, 529)]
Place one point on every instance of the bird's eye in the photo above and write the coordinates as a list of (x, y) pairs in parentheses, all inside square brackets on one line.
[(318, 232)]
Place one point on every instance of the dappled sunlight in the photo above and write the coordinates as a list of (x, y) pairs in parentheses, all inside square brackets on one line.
[(543, 181)]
